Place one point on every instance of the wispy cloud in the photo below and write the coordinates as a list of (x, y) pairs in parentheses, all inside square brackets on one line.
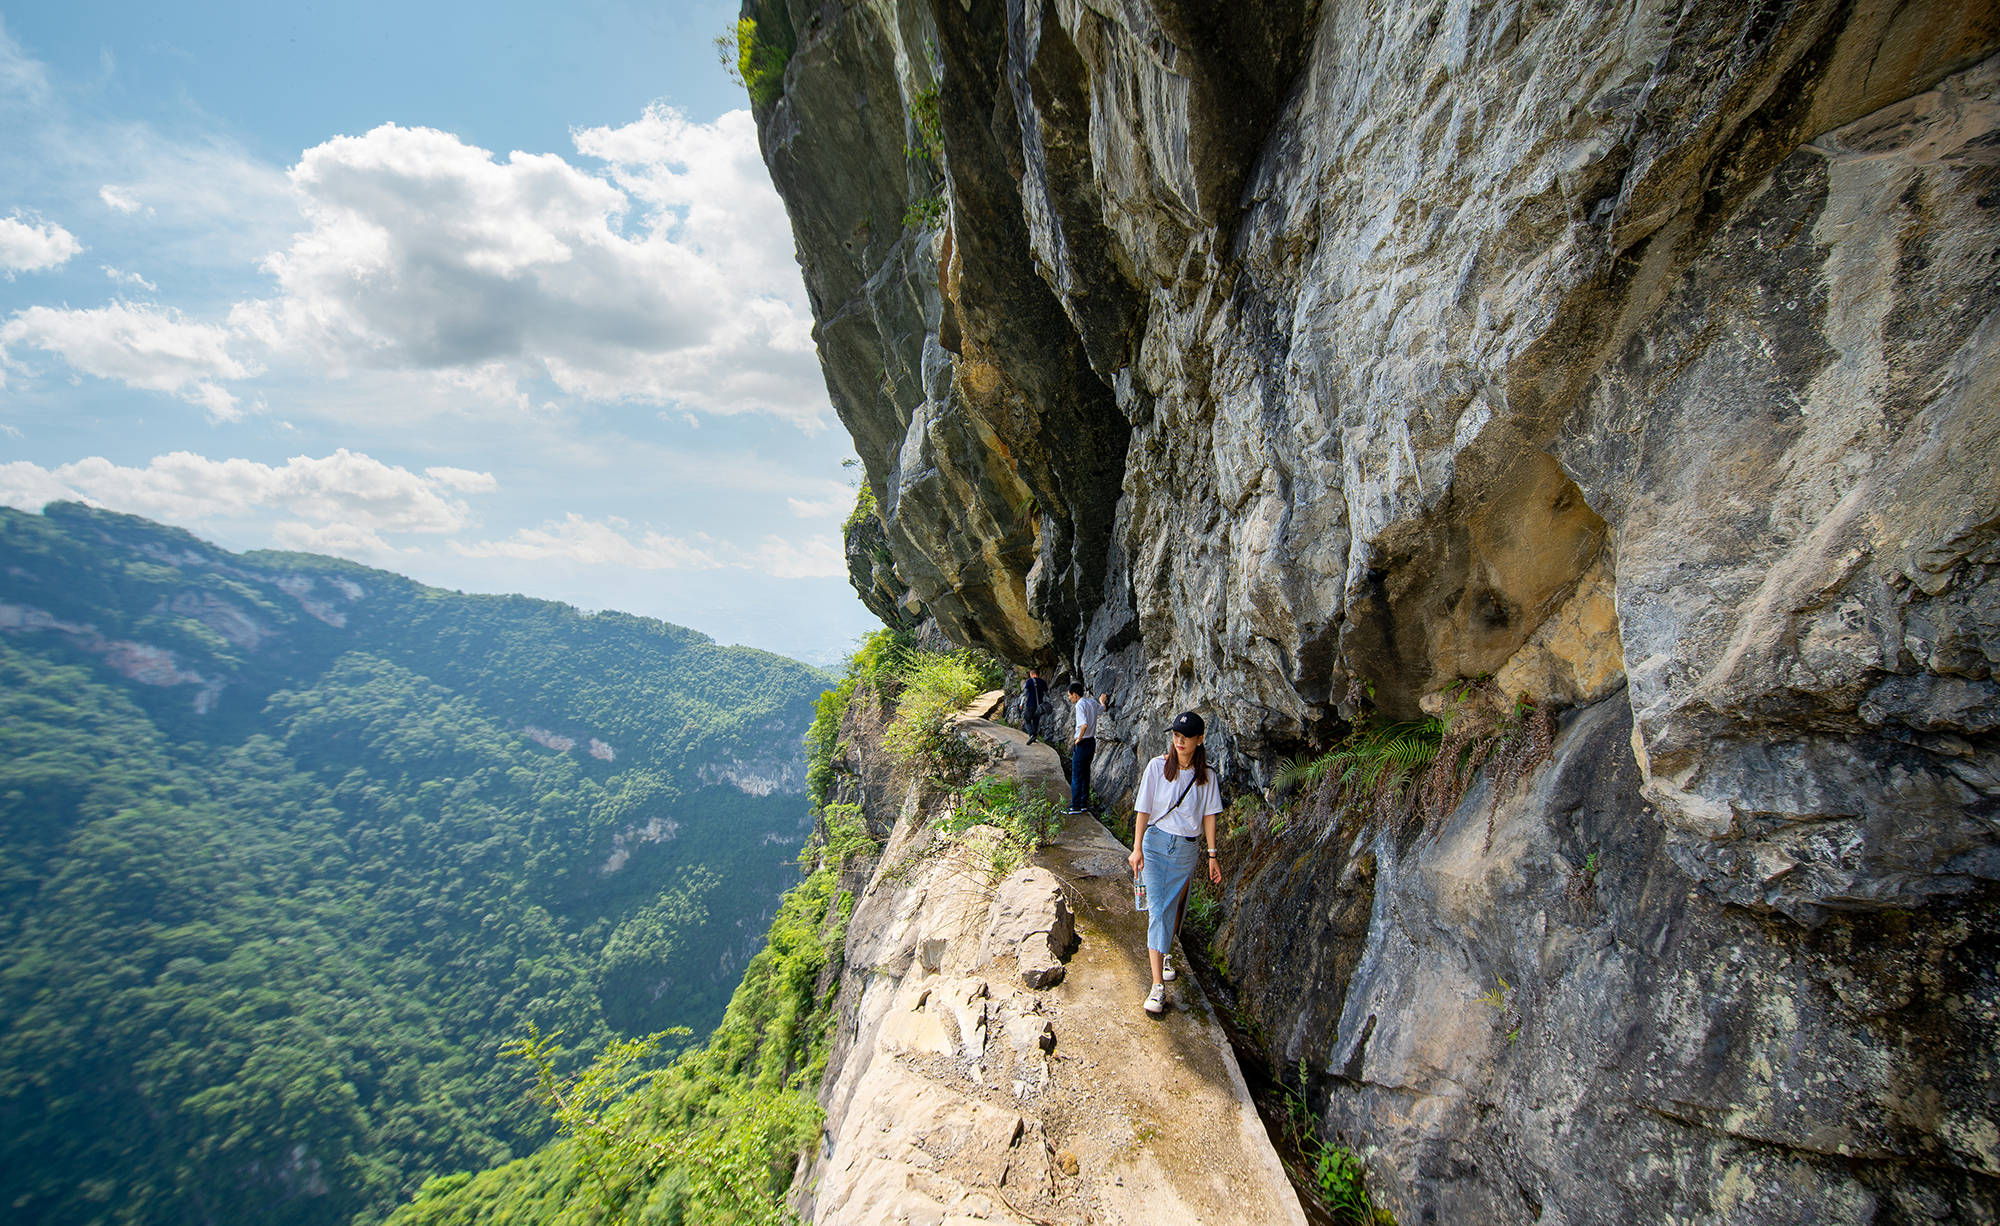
[(608, 542), (204, 200), (24, 81), (616, 542), (831, 507), (817, 557), (328, 495), (116, 200), (133, 279)]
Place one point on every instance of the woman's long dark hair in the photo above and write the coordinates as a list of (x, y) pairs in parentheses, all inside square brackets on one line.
[(1200, 765)]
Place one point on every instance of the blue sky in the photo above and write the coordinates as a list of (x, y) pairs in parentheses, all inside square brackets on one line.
[(497, 296)]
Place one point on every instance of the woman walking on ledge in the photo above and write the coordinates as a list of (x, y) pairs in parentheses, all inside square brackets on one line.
[(1174, 822)]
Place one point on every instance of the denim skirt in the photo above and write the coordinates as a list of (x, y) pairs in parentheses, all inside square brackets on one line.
[(1170, 861)]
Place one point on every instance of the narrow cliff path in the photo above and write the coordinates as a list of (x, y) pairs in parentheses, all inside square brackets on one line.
[(967, 1095), (1158, 1105)]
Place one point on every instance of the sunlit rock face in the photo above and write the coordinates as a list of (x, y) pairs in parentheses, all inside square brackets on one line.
[(1278, 359)]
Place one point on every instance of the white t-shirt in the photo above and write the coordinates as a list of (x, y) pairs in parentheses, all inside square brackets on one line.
[(1087, 712), (1157, 793)]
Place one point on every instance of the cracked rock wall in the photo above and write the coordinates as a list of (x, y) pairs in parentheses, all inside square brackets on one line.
[(1639, 355)]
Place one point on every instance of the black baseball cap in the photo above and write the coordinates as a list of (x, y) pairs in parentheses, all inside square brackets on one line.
[(1187, 723)]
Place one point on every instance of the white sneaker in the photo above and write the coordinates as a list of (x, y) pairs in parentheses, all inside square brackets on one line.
[(1156, 1002), (1167, 969)]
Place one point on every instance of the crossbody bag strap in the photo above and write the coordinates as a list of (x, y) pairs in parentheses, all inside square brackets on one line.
[(1182, 796)]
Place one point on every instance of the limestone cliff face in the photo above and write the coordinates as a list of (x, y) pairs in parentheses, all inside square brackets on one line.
[(1640, 355)]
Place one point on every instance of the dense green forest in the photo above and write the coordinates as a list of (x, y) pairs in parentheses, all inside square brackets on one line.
[(291, 848), (713, 1135), (710, 1139)]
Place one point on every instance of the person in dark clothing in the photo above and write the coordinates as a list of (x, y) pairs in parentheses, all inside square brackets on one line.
[(1032, 695), (1083, 747)]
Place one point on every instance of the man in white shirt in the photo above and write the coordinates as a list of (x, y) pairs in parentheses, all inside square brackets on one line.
[(1083, 747)]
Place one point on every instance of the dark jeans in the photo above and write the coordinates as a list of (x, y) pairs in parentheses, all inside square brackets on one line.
[(1080, 755), (1031, 718)]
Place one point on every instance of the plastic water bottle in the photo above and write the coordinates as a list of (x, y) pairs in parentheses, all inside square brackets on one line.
[(1138, 893)]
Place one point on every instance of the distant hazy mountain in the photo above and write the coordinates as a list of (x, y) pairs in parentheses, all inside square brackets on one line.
[(289, 847)]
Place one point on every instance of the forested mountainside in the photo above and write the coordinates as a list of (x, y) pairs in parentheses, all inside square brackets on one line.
[(289, 849)]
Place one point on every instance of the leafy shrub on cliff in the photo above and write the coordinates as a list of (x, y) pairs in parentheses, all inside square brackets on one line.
[(936, 687), (880, 661), (822, 740), (846, 834), (927, 690), (1023, 820), (1204, 911), (927, 124), (1342, 1180), (924, 213), (927, 210), (883, 659), (864, 509), (755, 53)]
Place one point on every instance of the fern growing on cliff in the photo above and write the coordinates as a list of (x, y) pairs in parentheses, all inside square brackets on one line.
[(1375, 756), (1368, 773)]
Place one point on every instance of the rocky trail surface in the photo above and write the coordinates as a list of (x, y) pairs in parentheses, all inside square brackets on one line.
[(993, 1063)]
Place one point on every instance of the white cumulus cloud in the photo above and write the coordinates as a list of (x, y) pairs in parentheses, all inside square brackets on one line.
[(705, 185), (666, 279), (651, 265), (343, 496), (30, 487), (34, 246), (138, 345)]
